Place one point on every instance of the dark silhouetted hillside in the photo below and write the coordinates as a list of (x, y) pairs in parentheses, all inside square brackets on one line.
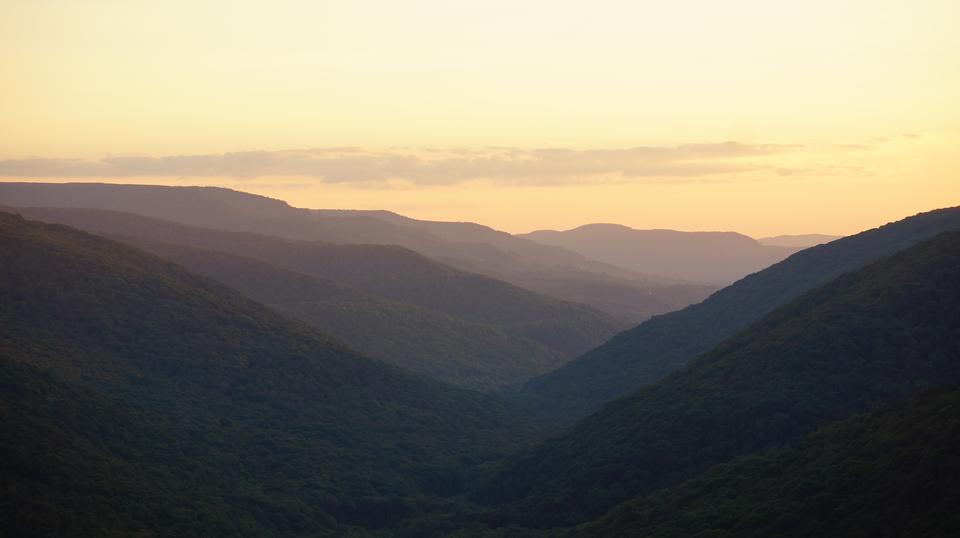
[(139, 399), (430, 343), (891, 473), (867, 338), (650, 351), (390, 273)]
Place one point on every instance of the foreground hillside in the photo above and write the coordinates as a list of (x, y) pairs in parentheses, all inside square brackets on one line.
[(890, 473), (652, 350), (867, 338), (402, 307), (140, 399), (470, 247)]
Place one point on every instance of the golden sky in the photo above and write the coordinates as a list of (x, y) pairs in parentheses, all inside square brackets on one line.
[(764, 117)]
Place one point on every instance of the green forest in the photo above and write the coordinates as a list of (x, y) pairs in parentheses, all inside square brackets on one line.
[(162, 380)]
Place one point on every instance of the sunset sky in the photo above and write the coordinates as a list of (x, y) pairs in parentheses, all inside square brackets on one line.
[(764, 117)]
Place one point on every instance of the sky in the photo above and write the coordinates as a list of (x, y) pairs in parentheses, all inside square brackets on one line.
[(765, 117)]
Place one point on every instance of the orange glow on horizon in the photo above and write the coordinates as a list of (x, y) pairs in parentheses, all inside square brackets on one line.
[(849, 110)]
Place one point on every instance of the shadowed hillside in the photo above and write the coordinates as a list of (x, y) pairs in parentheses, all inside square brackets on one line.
[(388, 273), (650, 351), (140, 398), (869, 337), (890, 473), (437, 345)]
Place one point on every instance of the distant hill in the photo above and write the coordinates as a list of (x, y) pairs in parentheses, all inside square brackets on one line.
[(718, 257), (139, 399), (890, 473), (652, 350), (430, 343), (870, 337), (797, 241), (551, 270), (388, 301)]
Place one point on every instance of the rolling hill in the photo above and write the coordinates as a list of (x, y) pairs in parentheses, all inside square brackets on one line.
[(869, 337), (544, 332), (717, 257), (650, 351), (470, 247), (141, 399), (430, 343)]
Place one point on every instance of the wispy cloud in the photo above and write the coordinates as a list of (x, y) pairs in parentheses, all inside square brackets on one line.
[(423, 167)]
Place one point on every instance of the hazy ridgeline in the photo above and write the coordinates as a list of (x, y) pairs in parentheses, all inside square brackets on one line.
[(384, 300), (621, 292), (199, 367)]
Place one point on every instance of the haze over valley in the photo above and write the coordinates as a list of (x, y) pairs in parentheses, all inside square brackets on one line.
[(518, 269)]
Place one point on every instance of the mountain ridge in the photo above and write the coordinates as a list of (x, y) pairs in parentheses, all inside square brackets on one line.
[(185, 409), (389, 273), (651, 350), (545, 269), (718, 257), (869, 337)]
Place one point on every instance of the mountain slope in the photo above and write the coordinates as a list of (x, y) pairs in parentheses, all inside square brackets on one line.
[(719, 257), (388, 272), (139, 397), (869, 337), (467, 246), (650, 351), (890, 473), (429, 343)]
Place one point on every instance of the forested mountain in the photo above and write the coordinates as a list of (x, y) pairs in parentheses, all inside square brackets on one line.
[(867, 338), (391, 274), (650, 351), (554, 271), (549, 269), (431, 343), (140, 399), (718, 257), (890, 473)]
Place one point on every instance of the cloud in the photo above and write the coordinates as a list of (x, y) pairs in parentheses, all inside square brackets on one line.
[(423, 167)]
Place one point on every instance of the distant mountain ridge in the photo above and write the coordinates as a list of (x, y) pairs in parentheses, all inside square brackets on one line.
[(718, 257), (386, 300), (798, 241), (554, 271), (650, 351)]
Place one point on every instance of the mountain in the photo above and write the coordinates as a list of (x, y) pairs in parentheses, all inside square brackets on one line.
[(430, 343), (797, 241), (867, 338), (388, 301), (718, 257), (892, 472), (650, 351), (140, 399), (471, 247), (550, 269)]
